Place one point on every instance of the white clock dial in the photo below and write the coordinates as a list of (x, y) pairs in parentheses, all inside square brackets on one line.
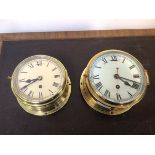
[(39, 78), (117, 76)]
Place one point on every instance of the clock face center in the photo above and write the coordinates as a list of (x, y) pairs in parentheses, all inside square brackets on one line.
[(40, 78), (116, 76)]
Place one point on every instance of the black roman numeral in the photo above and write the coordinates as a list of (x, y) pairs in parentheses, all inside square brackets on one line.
[(130, 94), (23, 72), (39, 63), (55, 84), (114, 58), (107, 93), (48, 63), (30, 93), (104, 60), (40, 94), (135, 85), (54, 68), (99, 85), (96, 77), (50, 91), (123, 60), (118, 96), (131, 67), (56, 76), (25, 89), (30, 65), (136, 76)]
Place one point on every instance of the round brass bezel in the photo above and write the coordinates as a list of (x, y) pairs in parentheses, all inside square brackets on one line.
[(95, 104), (50, 105), (17, 93), (100, 98)]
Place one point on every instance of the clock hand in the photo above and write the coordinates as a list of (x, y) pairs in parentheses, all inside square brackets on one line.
[(28, 80), (125, 82), (135, 84), (117, 81), (117, 69), (118, 77), (129, 80), (32, 81)]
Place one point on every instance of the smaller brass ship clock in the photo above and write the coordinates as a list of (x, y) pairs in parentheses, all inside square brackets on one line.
[(113, 82), (41, 85)]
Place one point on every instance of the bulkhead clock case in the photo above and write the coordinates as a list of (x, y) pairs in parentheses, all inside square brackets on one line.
[(41, 84), (113, 82)]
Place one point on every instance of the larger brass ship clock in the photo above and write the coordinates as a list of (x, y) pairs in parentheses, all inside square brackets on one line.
[(41, 85), (113, 82)]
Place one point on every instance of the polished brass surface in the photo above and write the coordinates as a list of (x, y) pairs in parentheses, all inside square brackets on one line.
[(101, 107), (49, 107), (46, 107), (98, 102)]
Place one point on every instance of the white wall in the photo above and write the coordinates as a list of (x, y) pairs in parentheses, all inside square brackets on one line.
[(69, 25), (68, 15)]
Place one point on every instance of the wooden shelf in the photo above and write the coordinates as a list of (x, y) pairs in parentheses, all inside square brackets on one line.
[(76, 34)]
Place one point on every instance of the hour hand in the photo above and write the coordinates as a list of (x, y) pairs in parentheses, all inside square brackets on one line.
[(32, 81), (28, 80)]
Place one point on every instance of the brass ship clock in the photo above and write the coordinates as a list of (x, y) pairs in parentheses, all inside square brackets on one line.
[(41, 85), (113, 82)]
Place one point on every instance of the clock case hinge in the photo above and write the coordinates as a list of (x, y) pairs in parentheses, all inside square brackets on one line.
[(147, 77)]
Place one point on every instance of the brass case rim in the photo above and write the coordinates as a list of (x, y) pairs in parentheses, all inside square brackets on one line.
[(95, 104), (15, 91), (92, 96), (47, 109), (101, 98)]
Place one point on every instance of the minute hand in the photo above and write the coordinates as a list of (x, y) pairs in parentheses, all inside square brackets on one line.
[(128, 80), (134, 85)]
